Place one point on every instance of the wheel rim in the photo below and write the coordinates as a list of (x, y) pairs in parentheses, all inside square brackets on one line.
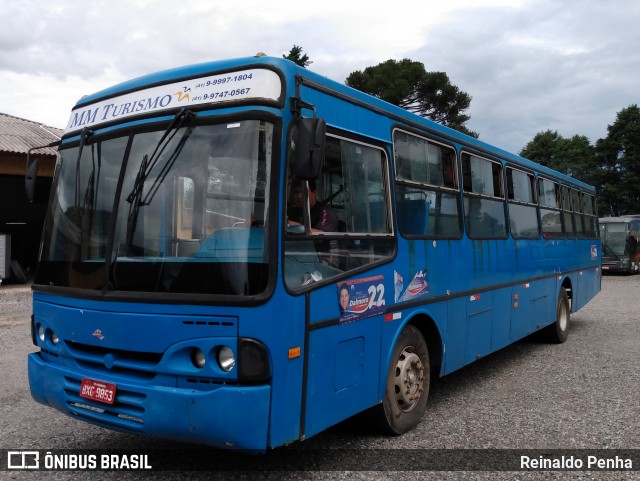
[(563, 319), (409, 379)]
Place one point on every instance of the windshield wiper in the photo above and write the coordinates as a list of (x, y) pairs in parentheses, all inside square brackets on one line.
[(135, 197), (89, 204)]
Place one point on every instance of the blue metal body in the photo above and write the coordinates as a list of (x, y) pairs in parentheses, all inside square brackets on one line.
[(483, 295)]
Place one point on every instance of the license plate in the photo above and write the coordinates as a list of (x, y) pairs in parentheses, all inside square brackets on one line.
[(104, 392)]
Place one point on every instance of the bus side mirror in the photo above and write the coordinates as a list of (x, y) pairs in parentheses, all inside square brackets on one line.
[(30, 177), (310, 148)]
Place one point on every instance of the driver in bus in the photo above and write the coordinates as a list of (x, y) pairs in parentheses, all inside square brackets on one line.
[(323, 218)]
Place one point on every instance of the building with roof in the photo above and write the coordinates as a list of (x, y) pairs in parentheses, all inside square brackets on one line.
[(21, 221)]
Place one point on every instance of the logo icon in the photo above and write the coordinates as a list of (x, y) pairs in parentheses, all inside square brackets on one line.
[(98, 333), (23, 460), (184, 94)]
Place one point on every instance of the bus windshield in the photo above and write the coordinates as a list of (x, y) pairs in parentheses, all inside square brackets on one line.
[(614, 238), (179, 210)]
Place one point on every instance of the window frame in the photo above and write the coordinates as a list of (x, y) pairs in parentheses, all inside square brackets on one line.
[(425, 186), (470, 194), (313, 238), (513, 201), (556, 208)]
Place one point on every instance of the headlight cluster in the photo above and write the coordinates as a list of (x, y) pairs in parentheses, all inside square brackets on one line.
[(251, 358), (44, 334), (224, 356)]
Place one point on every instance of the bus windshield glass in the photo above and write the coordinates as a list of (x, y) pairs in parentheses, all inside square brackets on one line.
[(180, 210), (614, 238)]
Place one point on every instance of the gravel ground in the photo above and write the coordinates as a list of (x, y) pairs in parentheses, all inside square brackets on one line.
[(579, 395)]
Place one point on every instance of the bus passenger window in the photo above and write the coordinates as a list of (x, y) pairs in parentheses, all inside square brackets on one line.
[(590, 216), (484, 208), (576, 201), (426, 187), (523, 212), (550, 214), (567, 214)]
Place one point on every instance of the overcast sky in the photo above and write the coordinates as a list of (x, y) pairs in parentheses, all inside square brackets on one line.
[(529, 65)]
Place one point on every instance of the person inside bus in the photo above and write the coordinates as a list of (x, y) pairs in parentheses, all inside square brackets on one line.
[(323, 218)]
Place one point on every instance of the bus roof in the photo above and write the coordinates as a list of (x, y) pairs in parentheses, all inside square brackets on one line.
[(314, 80)]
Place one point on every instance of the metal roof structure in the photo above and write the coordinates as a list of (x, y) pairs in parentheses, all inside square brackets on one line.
[(18, 135)]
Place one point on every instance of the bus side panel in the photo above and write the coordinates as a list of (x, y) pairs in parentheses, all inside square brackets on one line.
[(478, 326), (268, 323), (343, 372), (587, 285), (454, 342), (522, 311), (501, 326)]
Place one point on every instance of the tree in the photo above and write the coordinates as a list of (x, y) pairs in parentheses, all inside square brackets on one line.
[(296, 56), (619, 156), (612, 166), (407, 84), (542, 148), (574, 156)]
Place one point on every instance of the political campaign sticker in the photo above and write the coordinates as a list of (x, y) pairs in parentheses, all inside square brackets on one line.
[(418, 287), (361, 298)]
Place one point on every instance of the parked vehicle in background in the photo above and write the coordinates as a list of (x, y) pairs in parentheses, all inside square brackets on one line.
[(620, 246)]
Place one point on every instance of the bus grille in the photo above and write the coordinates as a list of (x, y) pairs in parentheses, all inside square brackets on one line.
[(133, 364)]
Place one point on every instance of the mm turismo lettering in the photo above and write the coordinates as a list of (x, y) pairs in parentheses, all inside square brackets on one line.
[(107, 112)]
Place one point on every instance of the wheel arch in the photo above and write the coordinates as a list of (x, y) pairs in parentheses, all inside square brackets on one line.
[(567, 284), (429, 330)]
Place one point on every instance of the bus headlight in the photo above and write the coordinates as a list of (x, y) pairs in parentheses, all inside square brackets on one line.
[(41, 332), (226, 359), (198, 358), (54, 338)]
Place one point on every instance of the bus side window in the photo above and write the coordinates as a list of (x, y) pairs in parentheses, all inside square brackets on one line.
[(426, 187), (523, 213), (484, 198), (577, 213), (567, 214), (550, 214)]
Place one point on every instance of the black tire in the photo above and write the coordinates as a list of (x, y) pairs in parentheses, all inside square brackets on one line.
[(558, 332), (402, 409)]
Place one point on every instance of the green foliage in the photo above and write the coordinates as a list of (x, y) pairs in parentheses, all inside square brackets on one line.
[(407, 84), (612, 165), (296, 56), (619, 158)]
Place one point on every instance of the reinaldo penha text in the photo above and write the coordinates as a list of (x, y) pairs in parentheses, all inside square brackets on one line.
[(576, 462)]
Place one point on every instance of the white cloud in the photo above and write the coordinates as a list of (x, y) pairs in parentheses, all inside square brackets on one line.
[(530, 65)]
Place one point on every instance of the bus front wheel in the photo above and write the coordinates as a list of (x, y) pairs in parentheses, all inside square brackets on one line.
[(559, 331), (407, 387)]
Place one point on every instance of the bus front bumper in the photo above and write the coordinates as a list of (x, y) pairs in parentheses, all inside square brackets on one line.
[(230, 417)]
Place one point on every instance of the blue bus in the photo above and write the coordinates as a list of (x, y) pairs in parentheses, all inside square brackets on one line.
[(244, 253)]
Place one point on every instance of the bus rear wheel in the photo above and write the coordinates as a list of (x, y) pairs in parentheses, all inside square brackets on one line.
[(558, 332), (407, 386)]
